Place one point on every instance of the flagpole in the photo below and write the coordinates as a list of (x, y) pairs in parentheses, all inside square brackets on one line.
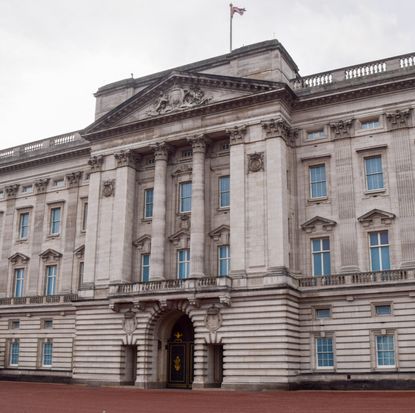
[(230, 27)]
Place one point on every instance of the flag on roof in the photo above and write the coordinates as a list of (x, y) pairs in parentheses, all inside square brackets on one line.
[(238, 10)]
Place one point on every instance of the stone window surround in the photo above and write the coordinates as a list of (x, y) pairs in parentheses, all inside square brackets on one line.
[(11, 322), (373, 353), (313, 350), (318, 234), (83, 216), (20, 211), (315, 128), (375, 304), (315, 161), (359, 131), (314, 309), (7, 352), (47, 261), (40, 349), (43, 323), (50, 206)]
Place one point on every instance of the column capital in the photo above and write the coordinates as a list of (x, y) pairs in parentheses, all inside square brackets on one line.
[(161, 150), (125, 158), (278, 128), (11, 190), (342, 128), (95, 162), (41, 185), (199, 143), (399, 118), (236, 134), (74, 178)]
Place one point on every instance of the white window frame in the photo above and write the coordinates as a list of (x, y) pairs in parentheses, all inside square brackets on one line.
[(51, 276), (324, 336), (185, 262), (222, 206), (18, 275), (21, 226), (388, 366), (310, 168), (367, 158), (226, 259), (146, 203), (52, 222), (321, 252), (13, 342), (181, 198), (379, 246)]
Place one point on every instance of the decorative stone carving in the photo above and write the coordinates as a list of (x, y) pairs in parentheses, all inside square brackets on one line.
[(382, 217), (74, 178), (399, 119), (225, 300), (95, 162), (199, 143), (11, 190), (256, 162), (213, 319), (236, 134), (80, 252), (221, 234), (184, 222), (143, 243), (278, 128), (41, 185), (124, 158), (194, 302), (108, 187), (180, 239), (19, 258), (178, 98), (161, 151), (324, 223), (182, 170), (342, 128), (50, 255), (129, 324)]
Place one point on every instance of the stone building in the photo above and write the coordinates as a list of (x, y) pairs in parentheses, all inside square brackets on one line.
[(225, 223)]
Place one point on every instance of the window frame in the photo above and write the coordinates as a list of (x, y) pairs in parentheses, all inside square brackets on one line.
[(21, 270), (375, 306), (370, 121), (379, 247), (311, 182), (147, 204), (20, 235), (52, 222), (46, 342), (48, 277), (394, 341), (84, 218), (366, 159), (12, 343), (222, 192), (185, 263), (226, 259), (320, 252), (317, 309), (311, 132), (316, 352), (145, 267), (182, 198)]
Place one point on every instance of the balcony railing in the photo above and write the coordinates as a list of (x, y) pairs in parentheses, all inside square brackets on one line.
[(39, 299), (152, 287), (367, 278), (364, 70)]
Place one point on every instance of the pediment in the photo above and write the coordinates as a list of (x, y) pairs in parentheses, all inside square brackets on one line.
[(143, 242), (80, 251), (383, 217), (221, 233), (318, 222), (50, 254), (176, 93), (18, 258), (180, 238)]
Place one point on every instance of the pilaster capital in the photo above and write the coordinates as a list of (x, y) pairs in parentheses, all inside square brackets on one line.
[(236, 134), (277, 128), (161, 151), (11, 190), (199, 143), (124, 158), (41, 185), (398, 119), (342, 128), (74, 178), (95, 162)]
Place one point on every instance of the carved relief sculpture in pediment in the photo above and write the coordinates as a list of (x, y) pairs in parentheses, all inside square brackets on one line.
[(178, 98), (95, 162), (342, 128), (74, 178), (376, 216), (236, 134), (19, 258), (318, 224), (11, 190), (41, 185), (399, 119)]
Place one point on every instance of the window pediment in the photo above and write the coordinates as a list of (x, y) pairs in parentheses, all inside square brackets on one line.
[(318, 223), (143, 243), (221, 234), (376, 215), (19, 258), (180, 238), (50, 254), (80, 251)]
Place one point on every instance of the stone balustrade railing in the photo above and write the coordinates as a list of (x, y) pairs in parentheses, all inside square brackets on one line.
[(360, 278), (39, 299), (40, 147), (193, 284), (364, 70)]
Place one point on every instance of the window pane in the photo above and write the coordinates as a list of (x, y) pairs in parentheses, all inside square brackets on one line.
[(373, 236), (324, 348), (385, 258), (326, 261), (51, 279), (224, 197), (323, 313), (326, 244), (375, 259), (14, 353), (374, 173), (148, 195), (384, 239), (318, 181), (145, 267), (317, 265), (383, 310), (185, 197), (316, 245), (47, 353)]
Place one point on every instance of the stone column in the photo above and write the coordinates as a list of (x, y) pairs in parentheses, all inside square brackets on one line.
[(91, 238), (277, 134), (158, 226), (237, 207), (197, 228), (123, 216)]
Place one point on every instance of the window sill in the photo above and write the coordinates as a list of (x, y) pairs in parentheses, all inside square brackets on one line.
[(147, 220), (322, 200), (375, 192), (223, 210), (22, 241), (53, 236)]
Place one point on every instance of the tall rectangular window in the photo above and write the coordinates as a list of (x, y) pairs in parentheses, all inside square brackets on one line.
[(224, 192), (84, 216), (374, 173), (18, 282), (47, 351), (51, 272), (55, 221), (385, 351), (81, 272), (379, 250), (183, 263), (318, 187), (324, 352), (24, 225), (148, 203), (145, 268), (224, 260), (185, 196), (14, 352), (320, 249)]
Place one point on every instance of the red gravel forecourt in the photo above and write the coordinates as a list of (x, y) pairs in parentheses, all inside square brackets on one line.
[(20, 397)]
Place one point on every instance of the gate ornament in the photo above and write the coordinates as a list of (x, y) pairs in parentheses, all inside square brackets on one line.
[(213, 319), (129, 323), (177, 363)]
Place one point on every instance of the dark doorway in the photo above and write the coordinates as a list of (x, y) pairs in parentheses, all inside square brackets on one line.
[(180, 354), (215, 365), (130, 364)]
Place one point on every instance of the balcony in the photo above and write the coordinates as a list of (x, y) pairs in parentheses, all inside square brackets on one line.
[(357, 279), (39, 299)]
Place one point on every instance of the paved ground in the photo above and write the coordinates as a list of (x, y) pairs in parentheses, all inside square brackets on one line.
[(62, 398)]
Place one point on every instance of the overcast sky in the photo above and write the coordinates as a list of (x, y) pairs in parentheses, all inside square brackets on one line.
[(54, 54)]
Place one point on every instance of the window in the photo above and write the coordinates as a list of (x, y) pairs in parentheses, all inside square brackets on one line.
[(14, 324), (27, 189), (183, 263), (324, 352), (224, 192), (185, 197), (47, 350), (383, 309), (14, 352), (370, 124), (1, 194), (317, 134), (322, 313), (320, 249), (84, 216), (51, 271), (59, 183), (148, 203), (18, 282), (24, 225), (379, 250), (187, 153), (55, 221), (318, 181), (385, 351), (81, 272), (374, 173), (145, 268), (47, 323), (224, 260)]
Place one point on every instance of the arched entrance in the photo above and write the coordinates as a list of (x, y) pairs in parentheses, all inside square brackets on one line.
[(180, 354)]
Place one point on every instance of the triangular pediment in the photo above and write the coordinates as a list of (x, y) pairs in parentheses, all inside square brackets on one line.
[(18, 258), (143, 242), (221, 233), (318, 222), (376, 214), (80, 251), (50, 254), (180, 238), (176, 93)]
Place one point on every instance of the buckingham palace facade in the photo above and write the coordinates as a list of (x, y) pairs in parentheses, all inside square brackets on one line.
[(227, 223)]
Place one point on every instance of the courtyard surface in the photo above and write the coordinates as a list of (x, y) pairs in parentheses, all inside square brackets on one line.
[(19, 397)]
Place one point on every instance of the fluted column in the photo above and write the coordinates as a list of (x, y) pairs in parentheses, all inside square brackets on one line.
[(158, 228), (197, 229)]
